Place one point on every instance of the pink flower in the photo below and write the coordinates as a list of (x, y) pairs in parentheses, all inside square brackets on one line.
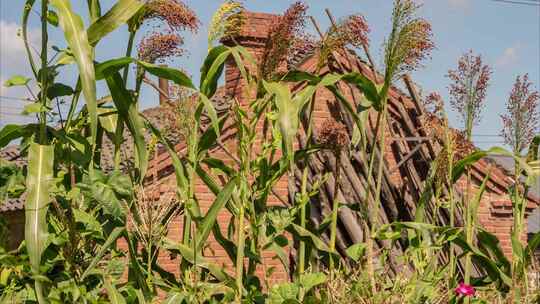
[(465, 290)]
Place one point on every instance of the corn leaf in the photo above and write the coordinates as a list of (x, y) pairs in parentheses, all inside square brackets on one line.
[(367, 87), (77, 39), (210, 218), (38, 183), (26, 14), (288, 113), (309, 236), (179, 171), (111, 240), (127, 109), (187, 253), (119, 14), (461, 166), (106, 68), (173, 75), (212, 69), (115, 297)]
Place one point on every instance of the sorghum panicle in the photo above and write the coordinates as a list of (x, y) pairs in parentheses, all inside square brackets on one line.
[(520, 124), (226, 21), (157, 47), (410, 42), (468, 87), (175, 13), (286, 31), (333, 135)]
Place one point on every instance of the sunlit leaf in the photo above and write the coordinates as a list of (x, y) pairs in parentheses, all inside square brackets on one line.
[(76, 36), (16, 80), (38, 183), (119, 14)]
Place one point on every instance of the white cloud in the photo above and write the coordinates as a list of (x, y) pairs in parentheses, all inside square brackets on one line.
[(12, 51), (509, 57), (13, 61)]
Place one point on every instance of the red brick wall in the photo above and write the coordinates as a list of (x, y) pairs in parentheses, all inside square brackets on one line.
[(253, 38)]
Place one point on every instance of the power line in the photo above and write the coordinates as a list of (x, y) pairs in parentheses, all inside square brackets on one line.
[(11, 98), (519, 2)]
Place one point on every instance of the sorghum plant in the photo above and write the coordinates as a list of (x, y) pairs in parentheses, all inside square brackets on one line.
[(521, 121), (352, 30), (286, 32), (226, 21), (334, 136), (158, 46), (520, 126), (174, 13), (468, 87), (409, 43)]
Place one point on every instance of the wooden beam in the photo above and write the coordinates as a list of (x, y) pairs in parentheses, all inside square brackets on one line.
[(406, 158)]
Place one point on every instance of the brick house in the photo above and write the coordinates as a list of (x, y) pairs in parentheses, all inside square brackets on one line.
[(410, 150)]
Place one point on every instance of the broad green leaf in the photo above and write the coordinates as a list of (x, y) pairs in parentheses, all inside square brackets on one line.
[(240, 54), (532, 245), (87, 219), (109, 67), (110, 242), (209, 138), (495, 272), (58, 90), (179, 171), (209, 220), (356, 251), (174, 297), (108, 119), (34, 108), (115, 17), (288, 113), (10, 133), (11, 181), (284, 293), (212, 69), (211, 111), (115, 297), (38, 182), (306, 234), (187, 253), (478, 197), (461, 166), (52, 18), (77, 39), (16, 80), (297, 76), (127, 109), (65, 58), (310, 280), (367, 87), (174, 75)]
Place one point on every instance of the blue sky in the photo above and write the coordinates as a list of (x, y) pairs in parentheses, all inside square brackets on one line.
[(507, 35)]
